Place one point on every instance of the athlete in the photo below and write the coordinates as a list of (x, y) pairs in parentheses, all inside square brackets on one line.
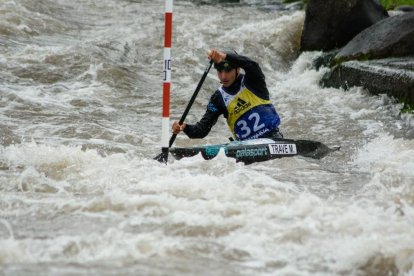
[(243, 99)]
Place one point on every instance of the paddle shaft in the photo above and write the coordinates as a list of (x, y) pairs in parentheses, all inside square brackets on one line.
[(190, 103)]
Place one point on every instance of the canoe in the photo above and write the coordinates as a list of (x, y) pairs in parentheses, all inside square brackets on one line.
[(257, 150)]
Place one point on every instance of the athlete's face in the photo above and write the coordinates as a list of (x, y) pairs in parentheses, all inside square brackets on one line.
[(227, 78)]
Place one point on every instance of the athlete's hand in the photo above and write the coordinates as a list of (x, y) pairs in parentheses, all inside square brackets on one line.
[(177, 128), (216, 55)]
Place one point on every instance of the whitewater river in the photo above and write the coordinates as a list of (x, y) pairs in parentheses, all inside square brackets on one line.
[(80, 123)]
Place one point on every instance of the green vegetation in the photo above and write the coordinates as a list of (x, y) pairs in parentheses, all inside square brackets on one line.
[(407, 108), (387, 4), (391, 4)]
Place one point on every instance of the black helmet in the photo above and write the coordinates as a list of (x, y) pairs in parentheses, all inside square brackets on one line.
[(225, 65)]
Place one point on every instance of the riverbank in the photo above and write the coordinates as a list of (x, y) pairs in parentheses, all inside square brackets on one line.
[(391, 76), (363, 45)]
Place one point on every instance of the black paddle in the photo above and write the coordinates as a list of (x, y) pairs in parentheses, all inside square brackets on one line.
[(163, 156)]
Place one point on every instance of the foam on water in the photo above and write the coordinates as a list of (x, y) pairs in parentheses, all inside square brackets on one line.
[(221, 208)]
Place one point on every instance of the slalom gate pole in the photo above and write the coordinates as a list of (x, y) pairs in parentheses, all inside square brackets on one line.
[(166, 79)]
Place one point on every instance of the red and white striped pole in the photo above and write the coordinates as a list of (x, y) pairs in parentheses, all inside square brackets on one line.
[(167, 76)]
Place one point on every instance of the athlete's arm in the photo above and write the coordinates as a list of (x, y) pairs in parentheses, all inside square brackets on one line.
[(209, 119), (203, 127), (254, 78)]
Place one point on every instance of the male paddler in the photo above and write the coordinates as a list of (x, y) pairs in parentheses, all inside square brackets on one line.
[(243, 99)]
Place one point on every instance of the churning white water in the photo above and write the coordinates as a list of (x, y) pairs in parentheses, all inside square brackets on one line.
[(80, 123)]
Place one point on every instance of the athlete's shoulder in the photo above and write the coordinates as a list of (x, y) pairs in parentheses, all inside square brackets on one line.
[(214, 103), (216, 95)]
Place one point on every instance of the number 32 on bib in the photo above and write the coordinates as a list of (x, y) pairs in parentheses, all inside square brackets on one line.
[(252, 125)]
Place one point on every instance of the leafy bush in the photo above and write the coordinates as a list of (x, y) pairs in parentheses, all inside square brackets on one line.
[(391, 4)]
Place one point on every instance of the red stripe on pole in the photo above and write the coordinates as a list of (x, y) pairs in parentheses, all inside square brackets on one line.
[(166, 100), (168, 30)]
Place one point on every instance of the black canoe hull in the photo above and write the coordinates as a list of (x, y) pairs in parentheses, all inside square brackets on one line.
[(257, 150)]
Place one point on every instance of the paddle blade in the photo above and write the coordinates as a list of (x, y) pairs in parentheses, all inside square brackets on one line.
[(163, 156)]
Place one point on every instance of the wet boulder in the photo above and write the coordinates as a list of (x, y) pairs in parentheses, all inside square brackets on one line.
[(391, 37), (332, 24), (391, 76), (405, 8)]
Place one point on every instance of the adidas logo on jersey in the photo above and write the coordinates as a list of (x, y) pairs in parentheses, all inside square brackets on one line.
[(241, 105)]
